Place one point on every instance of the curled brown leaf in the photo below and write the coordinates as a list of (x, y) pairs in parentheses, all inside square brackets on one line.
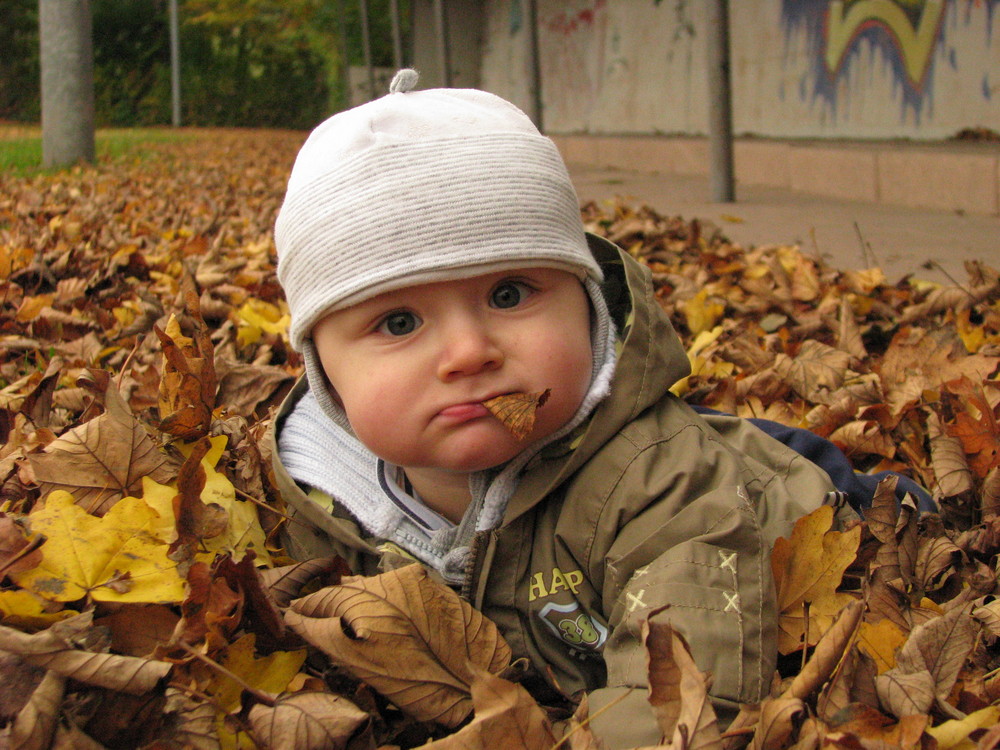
[(517, 410), (412, 639)]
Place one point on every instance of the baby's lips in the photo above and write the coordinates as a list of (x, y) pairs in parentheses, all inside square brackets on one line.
[(516, 411)]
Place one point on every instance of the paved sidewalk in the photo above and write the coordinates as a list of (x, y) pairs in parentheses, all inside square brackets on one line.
[(929, 244)]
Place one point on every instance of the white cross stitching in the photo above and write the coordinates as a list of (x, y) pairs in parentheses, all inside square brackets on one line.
[(640, 571), (635, 600), (728, 560), (732, 601)]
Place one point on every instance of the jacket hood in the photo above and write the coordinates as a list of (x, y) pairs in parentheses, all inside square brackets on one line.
[(651, 359)]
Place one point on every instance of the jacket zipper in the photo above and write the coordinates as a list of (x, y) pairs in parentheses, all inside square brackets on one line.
[(474, 564)]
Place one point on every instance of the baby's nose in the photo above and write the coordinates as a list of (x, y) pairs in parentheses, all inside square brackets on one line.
[(467, 350)]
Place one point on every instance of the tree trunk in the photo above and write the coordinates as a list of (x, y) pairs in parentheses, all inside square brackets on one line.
[(67, 62)]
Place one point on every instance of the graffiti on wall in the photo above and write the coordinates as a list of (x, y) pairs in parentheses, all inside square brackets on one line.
[(907, 36), (912, 29)]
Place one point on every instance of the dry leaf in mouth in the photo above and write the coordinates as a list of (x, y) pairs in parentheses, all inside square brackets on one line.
[(517, 410)]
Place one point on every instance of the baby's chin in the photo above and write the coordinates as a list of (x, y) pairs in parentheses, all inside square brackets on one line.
[(472, 458)]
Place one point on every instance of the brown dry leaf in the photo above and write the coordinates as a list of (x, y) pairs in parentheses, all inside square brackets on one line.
[(195, 520), (778, 719), (847, 684), (870, 729), (919, 360), (210, 612), (243, 387), (938, 649), (987, 612), (816, 371), (307, 721), (828, 653), (506, 716), (863, 436), (139, 630), (286, 583), (905, 693), (849, 338), (55, 649), (72, 738), (677, 689), (951, 468), (35, 724), (103, 460), (517, 410), (937, 558), (187, 384), (894, 524), (990, 492), (193, 723), (17, 552), (574, 732), (412, 639), (979, 432), (808, 569)]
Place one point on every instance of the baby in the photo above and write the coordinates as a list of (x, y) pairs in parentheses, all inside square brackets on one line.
[(432, 253)]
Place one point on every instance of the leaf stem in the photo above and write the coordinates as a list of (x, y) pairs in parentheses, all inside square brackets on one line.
[(258, 695)]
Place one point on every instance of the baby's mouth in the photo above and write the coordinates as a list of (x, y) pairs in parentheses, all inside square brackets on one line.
[(516, 411)]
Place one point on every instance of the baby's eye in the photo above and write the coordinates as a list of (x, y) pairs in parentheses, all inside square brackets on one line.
[(509, 294), (399, 323)]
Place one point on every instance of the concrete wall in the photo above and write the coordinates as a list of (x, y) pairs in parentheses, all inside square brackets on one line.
[(918, 69), (463, 21)]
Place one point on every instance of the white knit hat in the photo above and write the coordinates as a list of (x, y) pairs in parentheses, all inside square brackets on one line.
[(416, 187)]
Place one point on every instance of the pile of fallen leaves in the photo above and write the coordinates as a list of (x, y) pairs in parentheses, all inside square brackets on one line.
[(145, 598)]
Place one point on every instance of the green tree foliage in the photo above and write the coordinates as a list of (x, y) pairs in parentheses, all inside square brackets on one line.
[(20, 97), (274, 63)]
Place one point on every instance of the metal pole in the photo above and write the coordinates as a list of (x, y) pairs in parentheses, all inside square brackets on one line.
[(397, 37), (535, 65), (366, 45), (175, 66), (444, 52), (66, 57), (720, 118)]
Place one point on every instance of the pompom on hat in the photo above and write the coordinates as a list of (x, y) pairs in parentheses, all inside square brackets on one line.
[(417, 187)]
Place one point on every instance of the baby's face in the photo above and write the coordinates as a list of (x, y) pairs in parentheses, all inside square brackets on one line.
[(412, 367)]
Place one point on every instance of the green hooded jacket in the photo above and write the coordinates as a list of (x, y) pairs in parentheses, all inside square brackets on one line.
[(649, 508)]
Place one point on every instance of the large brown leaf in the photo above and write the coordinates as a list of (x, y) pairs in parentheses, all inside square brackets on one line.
[(506, 716), (828, 653), (677, 689), (412, 639), (103, 460), (929, 663), (55, 650), (307, 721)]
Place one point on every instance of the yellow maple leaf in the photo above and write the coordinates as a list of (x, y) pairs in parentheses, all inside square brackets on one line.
[(700, 314), (258, 317), (807, 569), (269, 674), (24, 609), (881, 641), (116, 558)]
